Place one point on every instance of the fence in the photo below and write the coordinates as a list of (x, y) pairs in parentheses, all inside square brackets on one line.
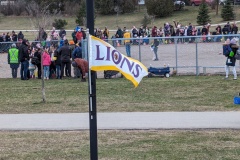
[(187, 55)]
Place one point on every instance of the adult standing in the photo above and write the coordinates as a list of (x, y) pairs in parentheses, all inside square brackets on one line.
[(155, 49), (13, 60), (189, 31), (83, 33), (204, 32), (62, 33), (8, 38), (36, 60), (134, 32), (226, 30), (219, 33), (127, 35), (234, 29), (20, 36), (77, 53), (24, 58), (119, 34), (14, 36), (106, 34), (141, 31), (79, 35), (74, 36), (58, 62), (65, 53)]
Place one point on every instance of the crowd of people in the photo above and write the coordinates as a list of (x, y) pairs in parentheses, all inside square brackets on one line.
[(57, 54), (169, 30), (166, 34), (53, 56)]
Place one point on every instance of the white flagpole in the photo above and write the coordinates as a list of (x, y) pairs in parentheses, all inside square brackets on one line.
[(89, 71)]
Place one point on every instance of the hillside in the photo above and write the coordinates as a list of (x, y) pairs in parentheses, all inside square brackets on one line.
[(185, 16)]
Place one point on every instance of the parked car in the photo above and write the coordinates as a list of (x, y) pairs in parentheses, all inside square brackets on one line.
[(232, 2), (198, 2), (178, 4)]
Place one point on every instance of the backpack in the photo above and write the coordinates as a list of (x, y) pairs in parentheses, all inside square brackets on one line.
[(156, 42), (237, 55), (226, 50)]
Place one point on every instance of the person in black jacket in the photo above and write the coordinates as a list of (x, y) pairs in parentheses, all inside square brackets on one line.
[(77, 53), (20, 36), (65, 52), (119, 34), (14, 37), (37, 55), (58, 62), (24, 58)]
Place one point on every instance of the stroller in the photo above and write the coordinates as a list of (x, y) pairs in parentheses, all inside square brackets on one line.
[(110, 73)]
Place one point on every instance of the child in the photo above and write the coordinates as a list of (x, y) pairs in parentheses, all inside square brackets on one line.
[(46, 63), (31, 67), (229, 50)]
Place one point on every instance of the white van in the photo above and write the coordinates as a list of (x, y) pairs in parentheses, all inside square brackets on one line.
[(4, 2)]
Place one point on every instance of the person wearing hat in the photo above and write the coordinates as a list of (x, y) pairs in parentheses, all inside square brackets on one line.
[(65, 53), (13, 60), (231, 60), (79, 35)]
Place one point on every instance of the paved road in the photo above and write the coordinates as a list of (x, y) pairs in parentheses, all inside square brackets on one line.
[(122, 120)]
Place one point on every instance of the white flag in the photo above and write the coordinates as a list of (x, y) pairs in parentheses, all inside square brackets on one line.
[(103, 56)]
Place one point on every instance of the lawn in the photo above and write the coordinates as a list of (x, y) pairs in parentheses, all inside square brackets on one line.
[(178, 93), (122, 145), (186, 16)]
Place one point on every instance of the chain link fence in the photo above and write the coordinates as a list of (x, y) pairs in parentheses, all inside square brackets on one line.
[(186, 55)]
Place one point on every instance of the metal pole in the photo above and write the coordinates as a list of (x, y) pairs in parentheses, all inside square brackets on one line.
[(92, 89), (176, 52), (139, 49), (197, 72)]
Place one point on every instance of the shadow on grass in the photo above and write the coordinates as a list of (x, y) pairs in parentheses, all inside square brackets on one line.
[(41, 102)]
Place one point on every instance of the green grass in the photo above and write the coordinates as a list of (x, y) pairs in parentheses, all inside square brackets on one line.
[(122, 145), (179, 93)]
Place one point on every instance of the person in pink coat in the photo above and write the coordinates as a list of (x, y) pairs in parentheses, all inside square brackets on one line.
[(46, 63)]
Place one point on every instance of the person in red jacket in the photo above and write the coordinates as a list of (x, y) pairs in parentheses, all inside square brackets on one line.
[(79, 35), (83, 66)]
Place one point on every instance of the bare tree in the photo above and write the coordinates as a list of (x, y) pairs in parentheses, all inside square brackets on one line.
[(41, 19)]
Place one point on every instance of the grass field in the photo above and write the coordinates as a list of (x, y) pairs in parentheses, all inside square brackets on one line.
[(122, 145), (186, 16), (179, 93)]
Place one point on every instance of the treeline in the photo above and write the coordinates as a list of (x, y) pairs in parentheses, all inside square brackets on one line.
[(105, 7)]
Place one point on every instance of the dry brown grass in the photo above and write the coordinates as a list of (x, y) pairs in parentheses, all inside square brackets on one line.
[(128, 144)]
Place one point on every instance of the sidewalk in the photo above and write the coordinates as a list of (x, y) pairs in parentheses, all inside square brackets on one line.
[(122, 120)]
